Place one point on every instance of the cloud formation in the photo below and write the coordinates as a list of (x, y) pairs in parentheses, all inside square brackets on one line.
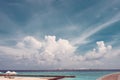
[(29, 42), (54, 54), (99, 52), (90, 31), (79, 25)]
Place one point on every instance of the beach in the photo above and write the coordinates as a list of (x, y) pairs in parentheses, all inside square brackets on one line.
[(59, 75), (23, 78), (114, 76)]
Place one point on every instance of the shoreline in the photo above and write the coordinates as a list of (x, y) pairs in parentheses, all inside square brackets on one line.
[(24, 78), (32, 77), (21, 77), (113, 76)]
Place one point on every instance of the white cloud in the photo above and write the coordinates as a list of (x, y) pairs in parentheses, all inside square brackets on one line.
[(90, 31), (30, 42), (52, 53), (99, 52)]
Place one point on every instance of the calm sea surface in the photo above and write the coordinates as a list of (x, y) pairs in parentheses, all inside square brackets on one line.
[(80, 75)]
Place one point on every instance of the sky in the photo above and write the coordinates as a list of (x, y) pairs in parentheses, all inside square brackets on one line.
[(59, 34)]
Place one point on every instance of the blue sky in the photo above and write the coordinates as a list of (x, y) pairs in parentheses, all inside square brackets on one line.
[(85, 31)]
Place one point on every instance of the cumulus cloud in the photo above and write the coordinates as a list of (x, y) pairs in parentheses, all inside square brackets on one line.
[(53, 53), (29, 42), (99, 52)]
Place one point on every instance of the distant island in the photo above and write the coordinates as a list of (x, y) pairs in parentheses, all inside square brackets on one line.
[(52, 70)]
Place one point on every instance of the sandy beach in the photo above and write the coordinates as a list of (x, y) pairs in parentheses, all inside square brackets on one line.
[(114, 76), (23, 78)]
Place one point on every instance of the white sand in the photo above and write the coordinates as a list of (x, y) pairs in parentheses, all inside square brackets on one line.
[(23, 78), (113, 76)]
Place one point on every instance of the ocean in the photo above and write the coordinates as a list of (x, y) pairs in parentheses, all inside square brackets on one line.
[(79, 74)]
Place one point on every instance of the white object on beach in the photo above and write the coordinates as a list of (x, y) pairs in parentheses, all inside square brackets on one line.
[(9, 72), (14, 73)]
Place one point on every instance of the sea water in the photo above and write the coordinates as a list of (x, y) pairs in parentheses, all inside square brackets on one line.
[(79, 75)]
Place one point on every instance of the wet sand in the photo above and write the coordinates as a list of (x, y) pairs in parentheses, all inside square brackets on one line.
[(23, 78), (33, 78), (115, 76), (29, 77)]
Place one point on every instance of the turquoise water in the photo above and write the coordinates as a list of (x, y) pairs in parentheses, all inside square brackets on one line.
[(80, 75)]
